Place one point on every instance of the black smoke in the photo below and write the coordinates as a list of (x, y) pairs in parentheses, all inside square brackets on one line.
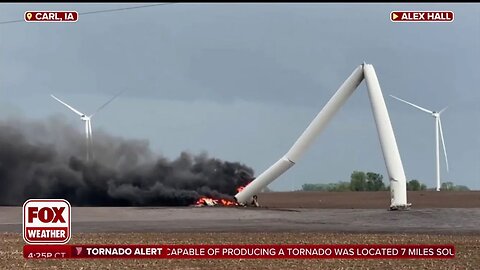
[(45, 159)]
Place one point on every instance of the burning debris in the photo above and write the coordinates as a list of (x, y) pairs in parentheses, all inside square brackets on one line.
[(206, 201)]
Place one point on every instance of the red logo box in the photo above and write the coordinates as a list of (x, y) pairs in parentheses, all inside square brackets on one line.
[(47, 221)]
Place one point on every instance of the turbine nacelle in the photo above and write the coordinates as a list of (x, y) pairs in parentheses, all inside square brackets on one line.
[(85, 118)]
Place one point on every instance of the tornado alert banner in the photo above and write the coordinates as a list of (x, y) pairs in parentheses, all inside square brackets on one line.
[(239, 251)]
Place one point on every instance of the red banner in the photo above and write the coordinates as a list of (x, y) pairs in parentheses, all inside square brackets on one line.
[(239, 251), (422, 16), (51, 16)]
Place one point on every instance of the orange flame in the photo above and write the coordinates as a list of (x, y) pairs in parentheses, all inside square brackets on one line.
[(240, 188), (206, 201)]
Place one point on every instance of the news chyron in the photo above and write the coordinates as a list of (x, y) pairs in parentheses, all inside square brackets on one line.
[(47, 221)]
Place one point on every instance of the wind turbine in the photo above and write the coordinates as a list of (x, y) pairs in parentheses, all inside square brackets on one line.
[(438, 128), (87, 120)]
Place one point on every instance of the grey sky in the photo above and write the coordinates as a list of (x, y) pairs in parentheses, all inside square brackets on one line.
[(242, 81)]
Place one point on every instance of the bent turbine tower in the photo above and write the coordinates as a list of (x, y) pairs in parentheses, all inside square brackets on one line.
[(391, 155)]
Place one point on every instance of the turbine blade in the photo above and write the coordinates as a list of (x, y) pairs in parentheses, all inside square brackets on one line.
[(87, 134), (68, 106), (443, 110), (90, 129), (443, 141), (106, 103), (91, 139), (87, 143), (411, 104)]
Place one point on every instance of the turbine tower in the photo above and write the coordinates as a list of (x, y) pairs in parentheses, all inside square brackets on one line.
[(88, 122), (438, 129)]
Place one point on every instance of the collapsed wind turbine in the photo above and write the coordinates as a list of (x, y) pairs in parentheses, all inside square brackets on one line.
[(438, 128), (87, 120), (391, 155)]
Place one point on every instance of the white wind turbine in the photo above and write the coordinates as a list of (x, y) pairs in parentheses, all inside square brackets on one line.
[(87, 120), (438, 128)]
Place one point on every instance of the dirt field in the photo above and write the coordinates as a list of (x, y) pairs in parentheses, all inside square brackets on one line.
[(239, 219), (368, 200)]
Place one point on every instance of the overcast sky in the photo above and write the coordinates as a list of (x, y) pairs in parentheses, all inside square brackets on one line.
[(242, 81)]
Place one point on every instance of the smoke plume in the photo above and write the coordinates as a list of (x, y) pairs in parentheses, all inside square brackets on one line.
[(46, 159)]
